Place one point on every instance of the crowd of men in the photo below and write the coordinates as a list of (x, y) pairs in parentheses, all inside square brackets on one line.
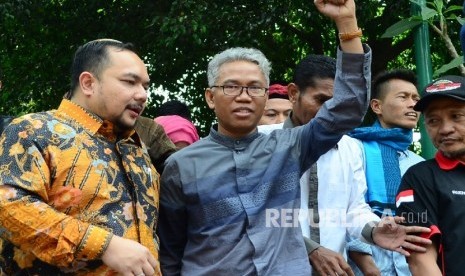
[(288, 182)]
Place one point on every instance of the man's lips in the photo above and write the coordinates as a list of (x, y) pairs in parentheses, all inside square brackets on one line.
[(448, 140), (412, 114), (136, 109), (243, 111)]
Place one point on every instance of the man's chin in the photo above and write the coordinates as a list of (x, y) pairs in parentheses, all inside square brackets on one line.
[(125, 125), (454, 154)]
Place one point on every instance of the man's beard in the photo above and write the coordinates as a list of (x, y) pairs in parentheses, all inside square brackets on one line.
[(454, 154), (121, 127)]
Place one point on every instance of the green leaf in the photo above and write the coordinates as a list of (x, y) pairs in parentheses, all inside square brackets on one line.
[(453, 8), (401, 26), (439, 5), (446, 67), (461, 20), (427, 13)]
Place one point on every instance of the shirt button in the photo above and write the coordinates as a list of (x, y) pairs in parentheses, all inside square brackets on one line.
[(238, 142)]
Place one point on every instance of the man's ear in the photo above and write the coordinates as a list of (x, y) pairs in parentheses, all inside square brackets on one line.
[(209, 97), (293, 92), (376, 106), (86, 82)]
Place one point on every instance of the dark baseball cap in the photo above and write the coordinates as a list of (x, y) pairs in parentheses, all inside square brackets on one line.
[(447, 86)]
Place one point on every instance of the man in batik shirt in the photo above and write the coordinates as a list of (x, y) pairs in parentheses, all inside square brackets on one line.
[(78, 193)]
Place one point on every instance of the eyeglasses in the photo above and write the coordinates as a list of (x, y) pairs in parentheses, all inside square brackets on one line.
[(236, 90)]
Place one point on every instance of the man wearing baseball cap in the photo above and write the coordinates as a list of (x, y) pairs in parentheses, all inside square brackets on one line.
[(432, 193)]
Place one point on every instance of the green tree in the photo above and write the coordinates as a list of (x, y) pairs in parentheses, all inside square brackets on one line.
[(440, 18), (177, 39)]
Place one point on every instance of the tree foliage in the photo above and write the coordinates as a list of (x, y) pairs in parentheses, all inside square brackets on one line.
[(177, 38), (439, 17)]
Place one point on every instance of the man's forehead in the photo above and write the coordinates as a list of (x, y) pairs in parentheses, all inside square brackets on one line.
[(241, 68), (443, 104)]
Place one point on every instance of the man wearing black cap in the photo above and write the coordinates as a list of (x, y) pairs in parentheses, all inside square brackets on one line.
[(432, 193)]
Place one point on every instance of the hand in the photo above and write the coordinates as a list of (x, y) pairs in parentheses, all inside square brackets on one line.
[(340, 11), (343, 14), (393, 236), (365, 263), (328, 262), (128, 257)]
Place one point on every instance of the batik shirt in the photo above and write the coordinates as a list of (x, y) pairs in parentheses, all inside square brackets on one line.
[(67, 185)]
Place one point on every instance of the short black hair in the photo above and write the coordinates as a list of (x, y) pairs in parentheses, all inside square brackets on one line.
[(93, 57), (174, 107), (378, 90), (313, 68)]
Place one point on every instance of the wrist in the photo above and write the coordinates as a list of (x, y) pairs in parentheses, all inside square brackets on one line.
[(350, 35), (346, 25), (368, 232)]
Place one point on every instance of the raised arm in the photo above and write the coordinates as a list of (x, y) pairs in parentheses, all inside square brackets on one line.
[(346, 109), (342, 12)]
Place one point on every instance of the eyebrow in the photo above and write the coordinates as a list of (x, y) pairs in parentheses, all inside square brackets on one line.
[(137, 77), (236, 82)]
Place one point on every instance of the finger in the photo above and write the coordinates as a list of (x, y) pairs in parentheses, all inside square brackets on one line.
[(386, 221), (417, 240), (402, 251), (325, 269), (336, 2), (153, 262), (334, 271), (398, 219), (417, 229), (321, 271), (347, 270), (414, 247), (148, 269)]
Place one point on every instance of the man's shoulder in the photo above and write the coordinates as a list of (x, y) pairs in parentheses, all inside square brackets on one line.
[(38, 120), (199, 148), (348, 141), (347, 152), (350, 145), (415, 157), (423, 168)]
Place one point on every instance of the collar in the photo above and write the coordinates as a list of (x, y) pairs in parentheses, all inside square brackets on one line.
[(235, 144), (90, 121), (445, 163)]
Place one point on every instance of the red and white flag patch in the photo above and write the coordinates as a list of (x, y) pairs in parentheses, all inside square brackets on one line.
[(404, 196)]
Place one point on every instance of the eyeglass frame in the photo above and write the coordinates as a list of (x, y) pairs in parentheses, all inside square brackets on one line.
[(242, 89)]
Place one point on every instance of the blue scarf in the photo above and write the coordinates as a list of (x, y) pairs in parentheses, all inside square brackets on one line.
[(381, 147)]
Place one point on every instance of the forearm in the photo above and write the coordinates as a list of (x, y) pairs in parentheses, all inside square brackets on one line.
[(362, 260), (346, 109), (425, 263), (359, 215), (310, 245), (427, 268), (349, 26), (173, 219), (173, 239)]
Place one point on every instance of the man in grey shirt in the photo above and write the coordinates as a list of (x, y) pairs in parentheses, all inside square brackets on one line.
[(227, 201)]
